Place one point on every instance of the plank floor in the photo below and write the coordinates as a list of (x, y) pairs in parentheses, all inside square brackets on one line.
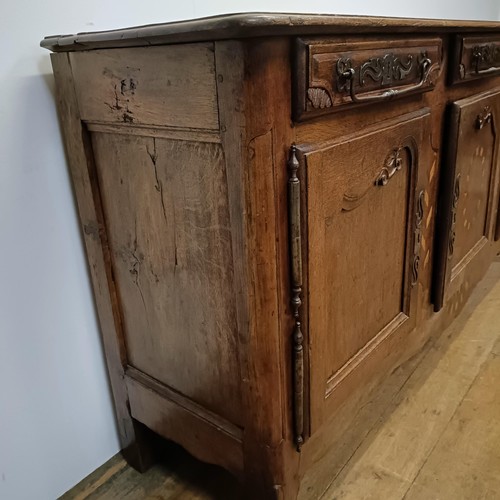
[(438, 439)]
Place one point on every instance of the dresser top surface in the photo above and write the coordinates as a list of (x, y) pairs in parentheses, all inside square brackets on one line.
[(255, 25)]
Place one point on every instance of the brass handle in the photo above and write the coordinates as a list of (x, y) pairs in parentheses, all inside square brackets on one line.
[(346, 73)]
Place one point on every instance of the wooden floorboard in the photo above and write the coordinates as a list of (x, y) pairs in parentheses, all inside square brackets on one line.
[(403, 457), (437, 440), (177, 475)]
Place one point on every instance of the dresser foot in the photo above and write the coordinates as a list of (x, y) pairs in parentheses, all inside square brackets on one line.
[(141, 452)]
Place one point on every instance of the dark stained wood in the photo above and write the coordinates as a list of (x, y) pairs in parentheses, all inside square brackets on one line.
[(191, 211), (475, 57), (332, 73), (254, 25), (445, 208)]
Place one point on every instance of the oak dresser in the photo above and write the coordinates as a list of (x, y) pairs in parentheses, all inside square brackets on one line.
[(278, 210)]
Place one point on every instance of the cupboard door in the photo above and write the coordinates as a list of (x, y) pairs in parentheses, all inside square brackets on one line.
[(467, 185), (365, 211)]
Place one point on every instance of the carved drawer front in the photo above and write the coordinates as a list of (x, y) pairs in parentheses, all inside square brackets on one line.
[(475, 57), (468, 182), (332, 74), (365, 213)]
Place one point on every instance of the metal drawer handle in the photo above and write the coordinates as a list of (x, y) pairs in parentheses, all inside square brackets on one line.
[(346, 74)]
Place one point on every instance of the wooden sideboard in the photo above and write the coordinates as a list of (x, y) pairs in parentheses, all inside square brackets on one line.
[(278, 210)]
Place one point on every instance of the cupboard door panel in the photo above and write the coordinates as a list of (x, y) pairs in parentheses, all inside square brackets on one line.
[(467, 187), (364, 216)]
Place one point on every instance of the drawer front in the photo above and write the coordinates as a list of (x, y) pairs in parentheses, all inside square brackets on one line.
[(475, 57), (467, 186), (365, 211), (333, 74)]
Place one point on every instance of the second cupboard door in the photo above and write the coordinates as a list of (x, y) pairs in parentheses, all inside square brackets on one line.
[(365, 212), (467, 191)]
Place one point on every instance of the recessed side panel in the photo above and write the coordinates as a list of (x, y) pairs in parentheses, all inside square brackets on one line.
[(167, 218)]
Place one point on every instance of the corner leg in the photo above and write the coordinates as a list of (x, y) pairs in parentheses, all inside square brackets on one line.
[(140, 451)]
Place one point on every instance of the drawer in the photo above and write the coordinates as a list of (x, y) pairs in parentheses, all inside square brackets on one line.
[(334, 74), (474, 57), (364, 228), (467, 205)]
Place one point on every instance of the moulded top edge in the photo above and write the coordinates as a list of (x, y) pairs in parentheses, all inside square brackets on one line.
[(256, 24)]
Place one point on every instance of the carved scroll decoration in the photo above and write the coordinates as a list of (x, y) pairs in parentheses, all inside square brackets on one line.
[(294, 229), (419, 217), (392, 164), (386, 69), (454, 206)]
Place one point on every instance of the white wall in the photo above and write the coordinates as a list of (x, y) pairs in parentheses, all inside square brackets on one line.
[(56, 417)]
